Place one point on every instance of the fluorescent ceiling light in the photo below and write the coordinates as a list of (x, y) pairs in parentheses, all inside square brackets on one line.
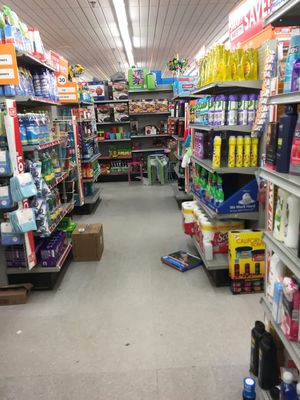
[(119, 6), (190, 70), (136, 42)]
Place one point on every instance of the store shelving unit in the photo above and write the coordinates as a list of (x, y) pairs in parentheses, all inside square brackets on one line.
[(158, 89), (288, 182), (232, 128), (31, 101), (138, 114), (149, 136), (110, 101), (219, 262), (207, 164), (114, 140), (90, 160), (287, 15), (229, 87), (93, 179), (113, 123), (44, 146), (284, 98), (154, 149)]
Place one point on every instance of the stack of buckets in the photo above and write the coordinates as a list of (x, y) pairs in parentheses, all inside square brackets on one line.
[(211, 236)]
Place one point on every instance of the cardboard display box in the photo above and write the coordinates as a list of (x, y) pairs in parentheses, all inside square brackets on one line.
[(14, 294), (88, 243)]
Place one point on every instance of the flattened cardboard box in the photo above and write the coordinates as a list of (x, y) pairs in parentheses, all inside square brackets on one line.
[(87, 242), (14, 294)]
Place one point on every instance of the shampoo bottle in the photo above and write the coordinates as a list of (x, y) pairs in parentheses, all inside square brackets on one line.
[(295, 151), (292, 222), (287, 388), (256, 334), (267, 365), (287, 124)]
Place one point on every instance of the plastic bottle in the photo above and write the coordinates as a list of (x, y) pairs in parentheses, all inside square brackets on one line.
[(240, 64), (22, 127), (280, 215), (216, 161), (37, 84), (295, 151), (267, 365), (239, 151), (298, 390), (276, 272), (287, 125), (247, 66), (231, 152), (256, 334), (251, 109), (254, 151), (292, 222), (247, 151), (243, 110), (219, 194), (249, 389), (232, 110), (287, 388), (293, 55)]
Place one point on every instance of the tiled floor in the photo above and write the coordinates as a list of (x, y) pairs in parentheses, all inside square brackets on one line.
[(129, 327)]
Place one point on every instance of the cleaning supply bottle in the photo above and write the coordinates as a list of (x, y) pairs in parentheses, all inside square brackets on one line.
[(239, 151), (292, 222), (219, 192), (287, 125), (231, 152), (254, 151), (256, 334), (287, 388), (247, 151), (295, 151), (216, 161), (276, 273), (280, 215), (267, 365)]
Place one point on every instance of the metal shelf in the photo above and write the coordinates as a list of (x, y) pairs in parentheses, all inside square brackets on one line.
[(148, 136), (180, 195), (207, 164), (113, 140), (286, 254), (151, 149), (94, 178), (116, 174), (293, 348), (107, 158), (110, 101), (285, 98), (26, 59), (233, 128), (219, 262), (288, 182), (157, 89), (90, 138), (149, 113), (43, 146), (250, 216), (287, 15), (40, 269), (58, 180), (262, 394), (92, 159), (66, 208), (92, 199), (228, 87), (185, 97), (30, 100), (113, 123)]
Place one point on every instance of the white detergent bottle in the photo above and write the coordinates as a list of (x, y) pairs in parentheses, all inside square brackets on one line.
[(291, 232), (280, 215), (276, 272)]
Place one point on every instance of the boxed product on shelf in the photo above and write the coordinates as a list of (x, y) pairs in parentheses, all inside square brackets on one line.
[(119, 91), (246, 254), (105, 113), (290, 305), (52, 249), (88, 243), (184, 85), (136, 78), (181, 261), (253, 285), (97, 90), (161, 105), (226, 194), (121, 112)]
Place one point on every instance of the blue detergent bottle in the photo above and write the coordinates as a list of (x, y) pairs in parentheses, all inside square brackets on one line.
[(249, 389), (287, 388)]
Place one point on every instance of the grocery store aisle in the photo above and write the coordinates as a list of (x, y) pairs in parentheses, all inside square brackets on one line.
[(129, 327)]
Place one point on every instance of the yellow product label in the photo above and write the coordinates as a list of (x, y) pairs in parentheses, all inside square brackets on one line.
[(231, 160), (247, 160), (254, 160), (247, 69), (279, 141)]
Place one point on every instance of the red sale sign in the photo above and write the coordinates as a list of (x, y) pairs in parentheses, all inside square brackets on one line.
[(247, 20)]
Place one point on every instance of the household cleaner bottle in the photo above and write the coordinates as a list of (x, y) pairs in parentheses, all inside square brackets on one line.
[(256, 334), (292, 222), (267, 365), (287, 388), (287, 125)]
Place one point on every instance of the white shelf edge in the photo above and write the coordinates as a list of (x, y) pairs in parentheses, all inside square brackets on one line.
[(219, 262)]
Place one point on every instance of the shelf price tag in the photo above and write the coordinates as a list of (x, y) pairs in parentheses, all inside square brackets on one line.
[(8, 65), (68, 92)]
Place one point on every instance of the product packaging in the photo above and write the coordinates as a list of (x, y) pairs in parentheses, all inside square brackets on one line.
[(88, 243), (97, 90)]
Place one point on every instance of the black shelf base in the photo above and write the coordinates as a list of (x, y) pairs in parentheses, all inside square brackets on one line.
[(87, 209)]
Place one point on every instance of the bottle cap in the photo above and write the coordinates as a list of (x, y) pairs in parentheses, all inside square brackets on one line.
[(287, 377)]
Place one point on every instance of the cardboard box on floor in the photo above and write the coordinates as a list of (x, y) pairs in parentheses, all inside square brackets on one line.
[(14, 294), (87, 242)]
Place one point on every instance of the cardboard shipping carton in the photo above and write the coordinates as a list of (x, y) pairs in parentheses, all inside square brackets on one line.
[(88, 243), (14, 294)]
